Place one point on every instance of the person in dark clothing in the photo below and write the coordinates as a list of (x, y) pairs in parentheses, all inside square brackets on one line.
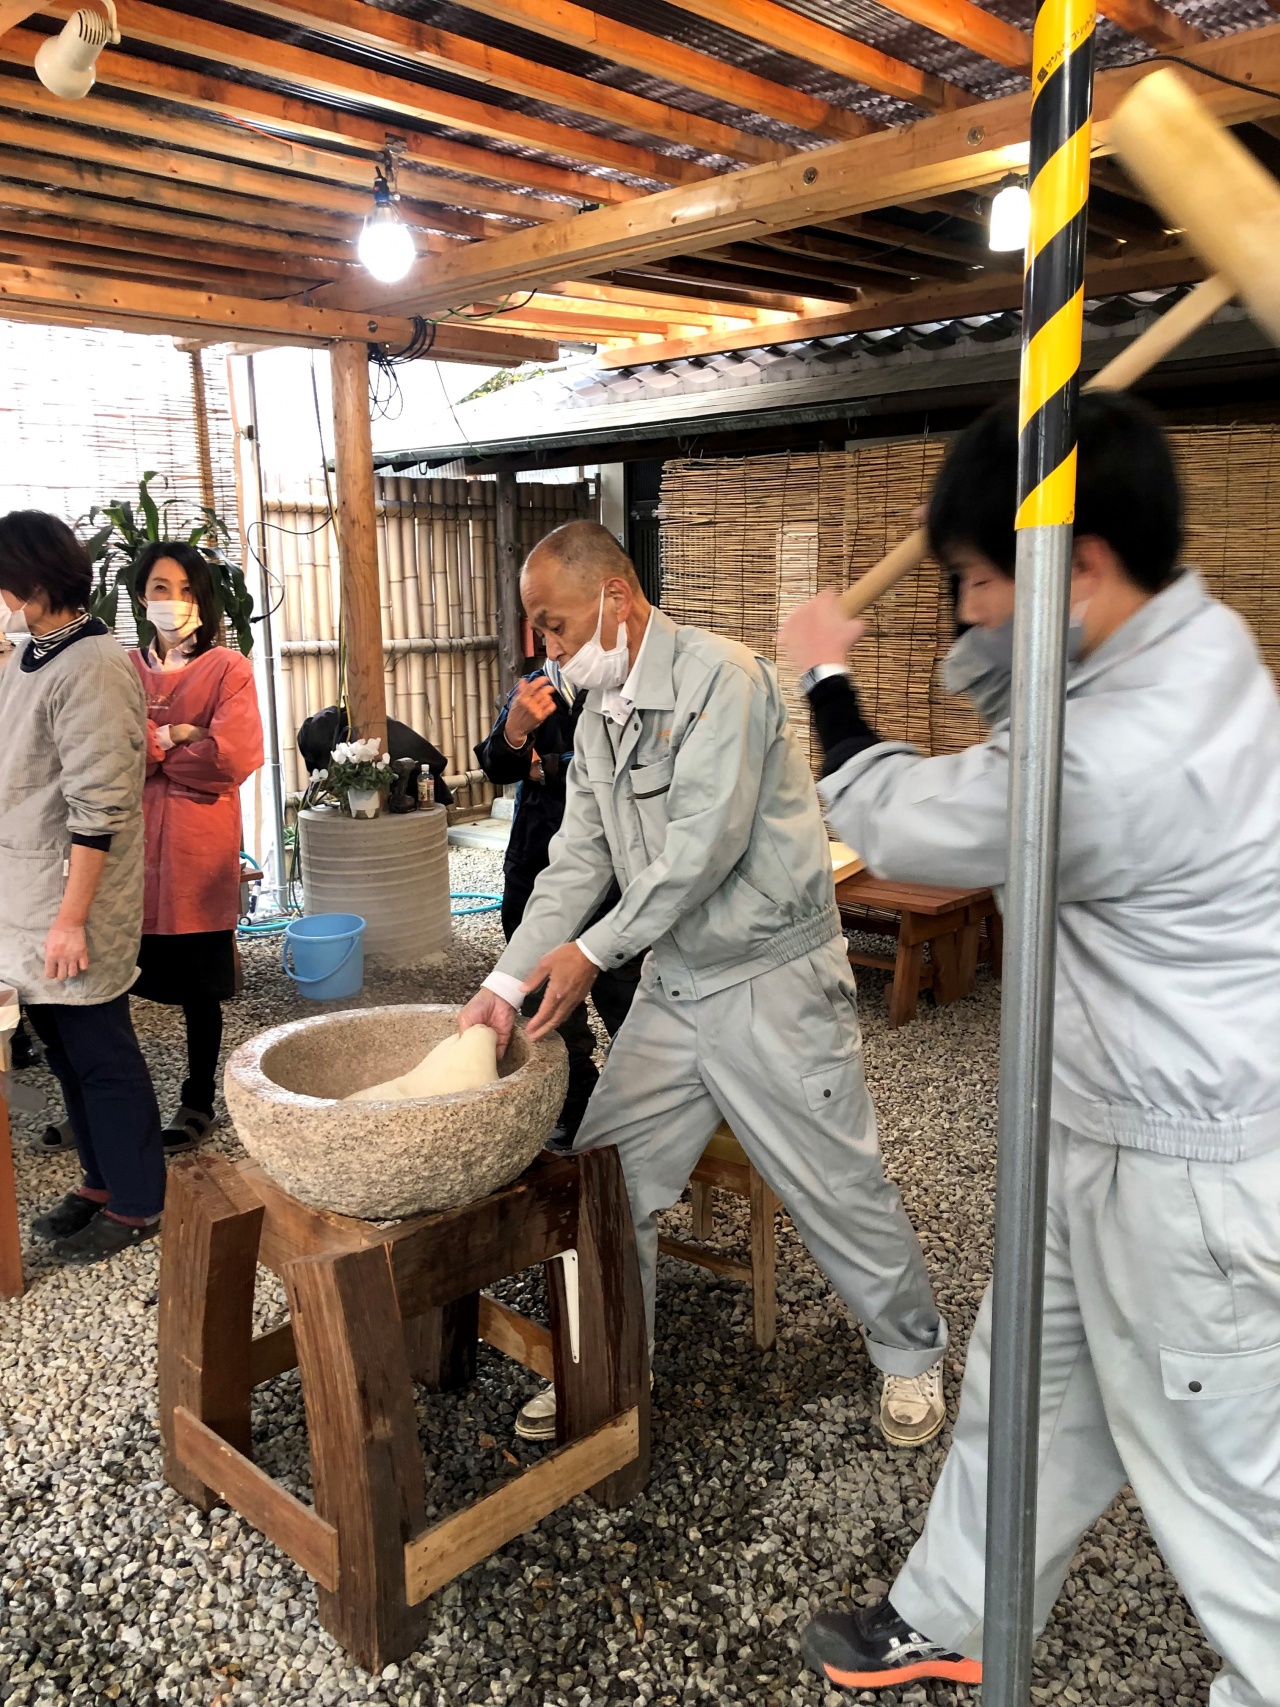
[(531, 744), (321, 732)]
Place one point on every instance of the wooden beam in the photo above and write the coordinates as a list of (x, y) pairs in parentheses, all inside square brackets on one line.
[(837, 275), (790, 32), (357, 522), (962, 22), (253, 147), (330, 126), (29, 287), (893, 258), (317, 74), (452, 1546), (917, 242), (515, 1335), (952, 151), (986, 295), (29, 248), (129, 188), (13, 12), (661, 304), (347, 206), (295, 1528), (1151, 22), (711, 283), (108, 225), (361, 25), (596, 33)]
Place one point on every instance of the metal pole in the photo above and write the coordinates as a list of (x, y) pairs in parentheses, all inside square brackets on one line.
[(1062, 97), (275, 767)]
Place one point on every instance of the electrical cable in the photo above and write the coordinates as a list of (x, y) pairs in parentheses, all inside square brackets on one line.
[(1217, 76)]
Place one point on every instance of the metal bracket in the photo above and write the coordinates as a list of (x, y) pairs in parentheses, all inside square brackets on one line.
[(570, 1261)]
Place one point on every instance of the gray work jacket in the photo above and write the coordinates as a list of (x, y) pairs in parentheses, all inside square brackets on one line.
[(73, 749), (1168, 991), (704, 809)]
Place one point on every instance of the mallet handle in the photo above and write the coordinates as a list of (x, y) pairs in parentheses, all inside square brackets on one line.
[(1137, 358)]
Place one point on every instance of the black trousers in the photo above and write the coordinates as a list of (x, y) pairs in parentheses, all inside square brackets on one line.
[(612, 993), (94, 1053), (203, 1016)]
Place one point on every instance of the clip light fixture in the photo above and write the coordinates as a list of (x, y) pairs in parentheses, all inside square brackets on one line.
[(386, 245), (65, 63), (1010, 216)]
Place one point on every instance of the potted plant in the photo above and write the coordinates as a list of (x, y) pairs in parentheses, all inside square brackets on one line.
[(124, 535), (357, 776)]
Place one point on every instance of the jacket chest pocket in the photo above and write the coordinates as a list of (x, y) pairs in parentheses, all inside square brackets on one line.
[(650, 786)]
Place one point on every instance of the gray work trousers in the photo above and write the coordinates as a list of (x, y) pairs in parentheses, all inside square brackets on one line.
[(1161, 1368), (779, 1057)]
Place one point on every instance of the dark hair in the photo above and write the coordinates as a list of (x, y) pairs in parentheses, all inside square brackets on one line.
[(1127, 488), (199, 572), (40, 554)]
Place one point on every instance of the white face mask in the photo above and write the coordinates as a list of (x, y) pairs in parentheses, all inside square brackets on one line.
[(175, 618), (592, 667), (1075, 632)]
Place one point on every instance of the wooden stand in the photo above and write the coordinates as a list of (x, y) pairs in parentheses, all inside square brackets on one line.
[(947, 921), (724, 1167), (371, 1310)]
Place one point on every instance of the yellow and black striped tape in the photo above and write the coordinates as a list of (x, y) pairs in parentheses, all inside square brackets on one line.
[(1053, 301)]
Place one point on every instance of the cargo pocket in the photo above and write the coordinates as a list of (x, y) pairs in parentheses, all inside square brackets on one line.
[(838, 1101), (1200, 1376)]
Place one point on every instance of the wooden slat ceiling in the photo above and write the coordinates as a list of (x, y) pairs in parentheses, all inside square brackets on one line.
[(655, 177)]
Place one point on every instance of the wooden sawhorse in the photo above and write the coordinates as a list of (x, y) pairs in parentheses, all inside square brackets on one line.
[(371, 1311)]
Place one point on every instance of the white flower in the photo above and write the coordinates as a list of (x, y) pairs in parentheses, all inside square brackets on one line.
[(385, 759)]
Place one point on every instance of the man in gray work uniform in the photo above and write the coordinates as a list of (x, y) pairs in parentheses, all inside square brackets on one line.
[(687, 786), (1161, 1340)]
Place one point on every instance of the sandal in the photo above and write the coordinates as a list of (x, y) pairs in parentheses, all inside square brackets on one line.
[(53, 1138), (186, 1129)]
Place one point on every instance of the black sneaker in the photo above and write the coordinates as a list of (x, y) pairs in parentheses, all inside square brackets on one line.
[(70, 1216), (103, 1237), (873, 1648)]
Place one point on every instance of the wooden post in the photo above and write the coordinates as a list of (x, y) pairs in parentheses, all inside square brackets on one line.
[(358, 540), (208, 1265), (612, 1372), (507, 559), (366, 1464)]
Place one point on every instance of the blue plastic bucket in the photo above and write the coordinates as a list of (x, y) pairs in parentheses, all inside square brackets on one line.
[(324, 955)]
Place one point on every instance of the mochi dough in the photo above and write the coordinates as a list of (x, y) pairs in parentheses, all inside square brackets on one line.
[(462, 1063)]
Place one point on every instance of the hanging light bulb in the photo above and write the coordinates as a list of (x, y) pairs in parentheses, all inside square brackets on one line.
[(1010, 216), (386, 247), (65, 63)]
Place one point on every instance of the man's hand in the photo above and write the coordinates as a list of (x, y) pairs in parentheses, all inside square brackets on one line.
[(66, 951), (568, 975), (817, 633), (183, 734), (533, 704), (486, 1007)]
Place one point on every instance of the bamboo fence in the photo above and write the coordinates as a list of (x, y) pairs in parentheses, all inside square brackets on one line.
[(745, 539), (436, 568)]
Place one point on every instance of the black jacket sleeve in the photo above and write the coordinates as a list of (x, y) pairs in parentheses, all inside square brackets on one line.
[(499, 762), (837, 716)]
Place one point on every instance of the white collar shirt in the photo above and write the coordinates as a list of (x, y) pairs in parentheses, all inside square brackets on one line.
[(618, 703)]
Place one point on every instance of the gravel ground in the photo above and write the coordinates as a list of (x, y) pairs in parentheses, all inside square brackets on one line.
[(772, 1490)]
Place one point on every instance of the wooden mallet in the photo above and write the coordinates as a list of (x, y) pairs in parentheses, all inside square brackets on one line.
[(1173, 328)]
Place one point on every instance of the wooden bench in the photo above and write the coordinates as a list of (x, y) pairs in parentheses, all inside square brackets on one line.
[(724, 1167), (371, 1310), (948, 922)]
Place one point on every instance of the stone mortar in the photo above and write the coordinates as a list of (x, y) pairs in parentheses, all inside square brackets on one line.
[(386, 1160)]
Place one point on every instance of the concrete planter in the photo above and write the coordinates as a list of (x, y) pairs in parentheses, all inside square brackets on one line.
[(393, 870), (387, 1160)]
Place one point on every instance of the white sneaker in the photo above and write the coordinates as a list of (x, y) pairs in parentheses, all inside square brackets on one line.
[(537, 1419), (912, 1408)]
